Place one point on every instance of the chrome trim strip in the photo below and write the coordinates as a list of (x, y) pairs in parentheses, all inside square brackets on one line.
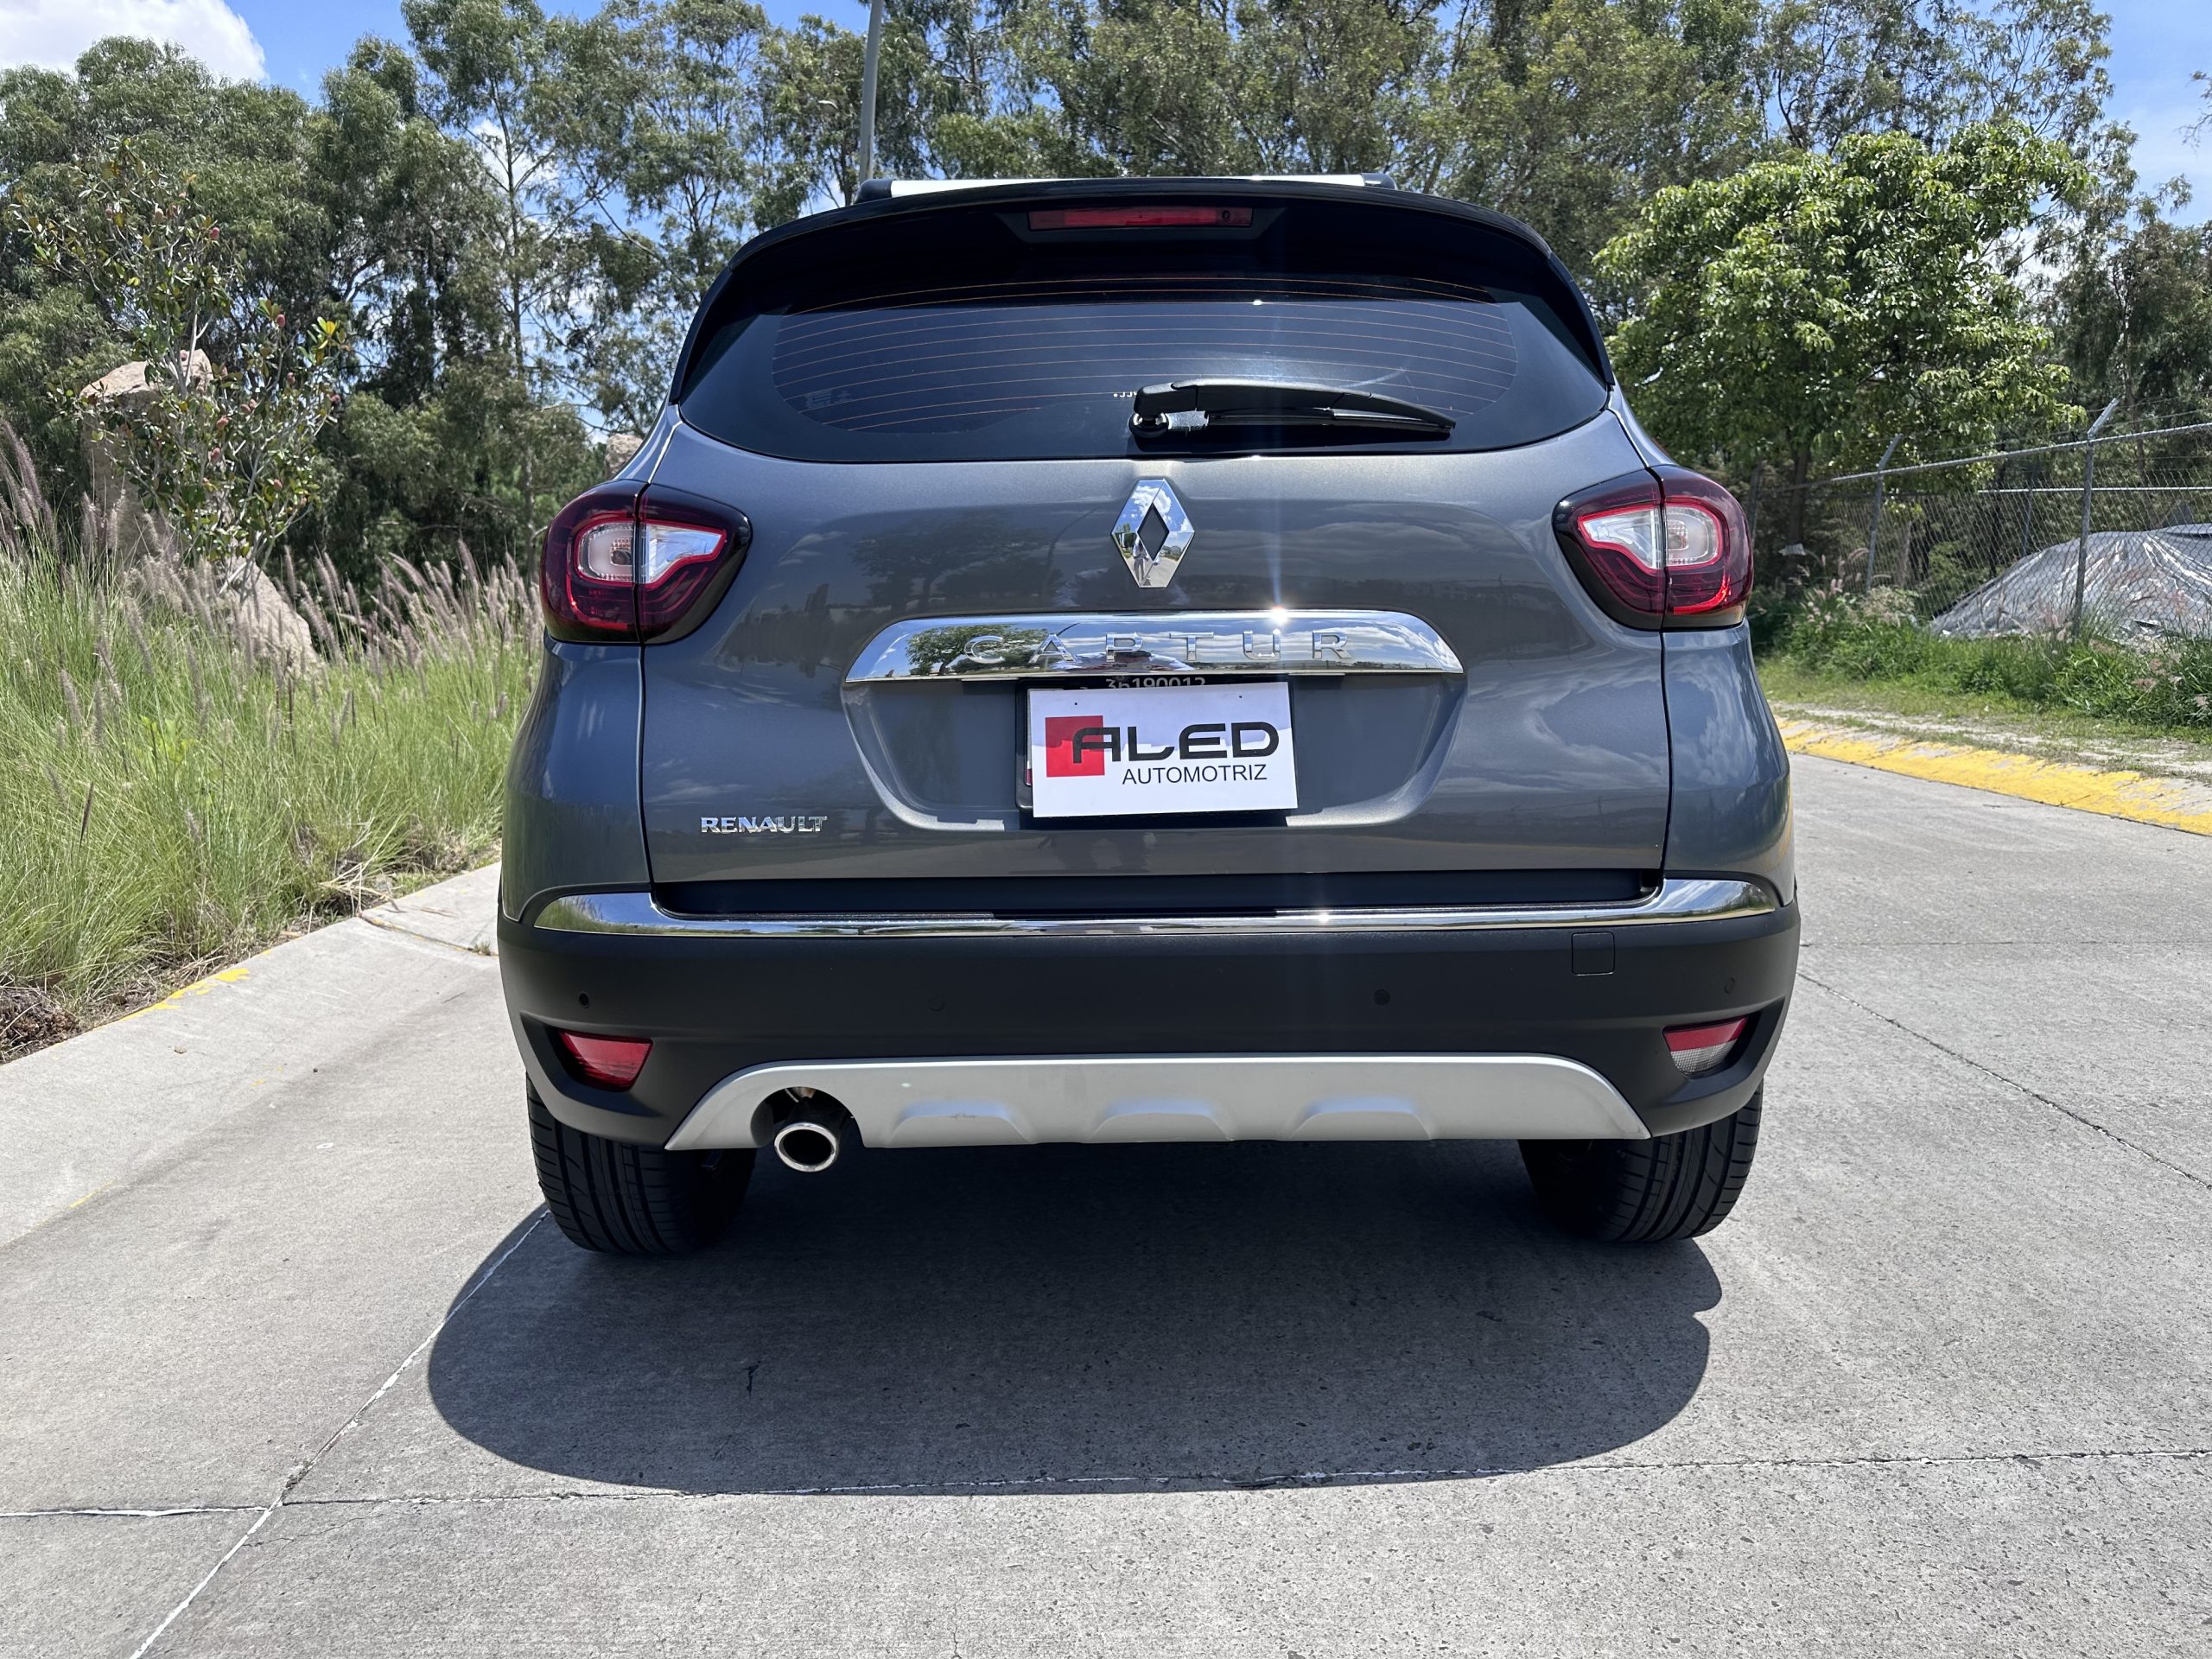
[(1053, 644), (1096, 1099), (1694, 899)]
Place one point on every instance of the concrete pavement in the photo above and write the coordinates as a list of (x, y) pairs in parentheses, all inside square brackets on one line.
[(289, 1365)]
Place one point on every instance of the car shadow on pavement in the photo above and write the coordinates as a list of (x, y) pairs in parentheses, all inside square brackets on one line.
[(1090, 1318)]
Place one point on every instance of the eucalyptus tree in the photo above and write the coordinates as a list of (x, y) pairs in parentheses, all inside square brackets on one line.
[(438, 438), (948, 84), (497, 80), (1570, 114), (666, 131), (1566, 113), (1831, 69)]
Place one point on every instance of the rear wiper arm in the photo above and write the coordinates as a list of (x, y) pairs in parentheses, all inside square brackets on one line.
[(1195, 405)]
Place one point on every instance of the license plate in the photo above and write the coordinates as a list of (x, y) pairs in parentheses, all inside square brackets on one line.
[(1151, 751)]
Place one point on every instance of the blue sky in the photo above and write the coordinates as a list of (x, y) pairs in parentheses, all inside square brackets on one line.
[(2156, 43)]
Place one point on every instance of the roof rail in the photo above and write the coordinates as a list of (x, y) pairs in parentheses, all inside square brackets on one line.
[(885, 189)]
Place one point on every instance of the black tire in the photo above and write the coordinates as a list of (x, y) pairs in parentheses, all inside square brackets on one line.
[(1654, 1191), (608, 1195)]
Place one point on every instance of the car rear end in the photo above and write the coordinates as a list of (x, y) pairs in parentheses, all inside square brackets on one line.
[(1144, 660)]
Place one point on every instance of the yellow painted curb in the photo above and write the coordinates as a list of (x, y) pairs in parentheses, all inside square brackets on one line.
[(175, 999), (2116, 794)]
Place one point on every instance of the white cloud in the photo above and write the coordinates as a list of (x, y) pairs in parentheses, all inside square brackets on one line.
[(52, 33)]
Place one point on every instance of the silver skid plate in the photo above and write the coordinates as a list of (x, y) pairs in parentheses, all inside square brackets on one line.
[(1032, 1100)]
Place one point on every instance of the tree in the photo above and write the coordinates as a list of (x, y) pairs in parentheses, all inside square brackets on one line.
[(220, 438), (242, 145), (952, 103), (361, 207), (1809, 310), (2133, 310), (1566, 113), (1570, 115), (515, 211), (1828, 70), (2138, 322), (2130, 298), (666, 137), (1833, 69), (498, 82), (427, 445)]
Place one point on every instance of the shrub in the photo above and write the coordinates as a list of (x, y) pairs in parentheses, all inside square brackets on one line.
[(1874, 638)]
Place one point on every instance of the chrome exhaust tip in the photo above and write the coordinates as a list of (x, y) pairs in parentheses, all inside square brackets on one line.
[(809, 1143)]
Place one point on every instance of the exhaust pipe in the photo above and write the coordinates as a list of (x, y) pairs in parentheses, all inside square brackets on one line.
[(809, 1139)]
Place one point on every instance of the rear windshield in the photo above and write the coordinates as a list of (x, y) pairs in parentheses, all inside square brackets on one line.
[(966, 336)]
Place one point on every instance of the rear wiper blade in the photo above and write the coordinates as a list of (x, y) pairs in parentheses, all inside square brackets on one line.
[(1195, 405)]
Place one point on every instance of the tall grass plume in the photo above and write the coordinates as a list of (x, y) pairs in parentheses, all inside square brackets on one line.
[(176, 791)]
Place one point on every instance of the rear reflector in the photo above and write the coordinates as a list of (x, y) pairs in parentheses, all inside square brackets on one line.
[(1701, 1048), (610, 1062), (1137, 219)]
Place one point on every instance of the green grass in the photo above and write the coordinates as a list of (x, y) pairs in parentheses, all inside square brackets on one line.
[(172, 801), (1849, 648)]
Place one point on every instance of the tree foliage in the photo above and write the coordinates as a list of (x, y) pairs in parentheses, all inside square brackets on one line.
[(513, 211), (668, 141), (218, 435), (1834, 69), (1806, 310)]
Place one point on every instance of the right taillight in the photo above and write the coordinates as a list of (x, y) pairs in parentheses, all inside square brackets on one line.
[(1663, 548), (625, 563)]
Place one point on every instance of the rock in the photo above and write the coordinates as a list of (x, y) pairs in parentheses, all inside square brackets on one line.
[(124, 386), (263, 618), (237, 597), (133, 382), (621, 450)]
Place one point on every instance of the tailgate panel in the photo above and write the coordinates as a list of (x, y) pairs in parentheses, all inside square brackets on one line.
[(1547, 751)]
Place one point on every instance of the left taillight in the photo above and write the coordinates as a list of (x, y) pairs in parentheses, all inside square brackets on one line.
[(1663, 549), (625, 563)]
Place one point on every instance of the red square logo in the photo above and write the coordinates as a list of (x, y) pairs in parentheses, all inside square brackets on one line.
[(1060, 757)]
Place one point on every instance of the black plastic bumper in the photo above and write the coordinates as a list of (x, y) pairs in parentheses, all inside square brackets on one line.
[(716, 1006)]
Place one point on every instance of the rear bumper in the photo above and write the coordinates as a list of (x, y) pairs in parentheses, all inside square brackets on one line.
[(1375, 999)]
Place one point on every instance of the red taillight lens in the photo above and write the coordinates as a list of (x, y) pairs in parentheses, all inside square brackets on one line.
[(1135, 219), (1663, 548), (1715, 586), (1702, 1048), (624, 564), (610, 1062), (588, 577)]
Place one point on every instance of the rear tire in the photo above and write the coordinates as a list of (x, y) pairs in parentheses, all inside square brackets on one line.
[(1654, 1191), (626, 1200)]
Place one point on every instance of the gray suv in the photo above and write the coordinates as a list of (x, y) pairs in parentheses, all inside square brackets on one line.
[(1144, 660)]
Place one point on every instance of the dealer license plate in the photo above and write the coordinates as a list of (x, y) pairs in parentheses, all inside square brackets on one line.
[(1151, 751)]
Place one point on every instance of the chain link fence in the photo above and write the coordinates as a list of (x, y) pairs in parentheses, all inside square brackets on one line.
[(2109, 535)]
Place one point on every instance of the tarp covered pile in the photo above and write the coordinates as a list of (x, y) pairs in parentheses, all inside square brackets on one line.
[(2140, 584)]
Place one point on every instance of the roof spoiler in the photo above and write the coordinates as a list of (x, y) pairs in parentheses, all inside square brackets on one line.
[(890, 189)]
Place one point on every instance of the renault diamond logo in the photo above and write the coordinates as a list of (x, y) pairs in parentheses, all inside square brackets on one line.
[(1154, 533)]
